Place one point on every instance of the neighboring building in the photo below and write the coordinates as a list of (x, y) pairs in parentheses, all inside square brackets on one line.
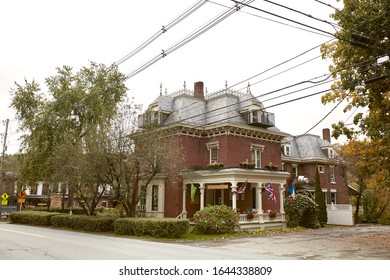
[(218, 132), (305, 154), (302, 156)]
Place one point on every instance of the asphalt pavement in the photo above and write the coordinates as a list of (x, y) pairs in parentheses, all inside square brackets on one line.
[(362, 242)]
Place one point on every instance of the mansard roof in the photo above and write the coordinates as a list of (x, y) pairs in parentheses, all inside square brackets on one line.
[(306, 147), (203, 109)]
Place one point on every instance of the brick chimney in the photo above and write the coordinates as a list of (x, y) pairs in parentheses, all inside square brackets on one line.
[(326, 134), (198, 90)]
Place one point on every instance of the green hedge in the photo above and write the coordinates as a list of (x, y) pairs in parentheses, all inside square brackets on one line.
[(75, 210), (303, 211), (155, 227), (83, 222), (32, 218)]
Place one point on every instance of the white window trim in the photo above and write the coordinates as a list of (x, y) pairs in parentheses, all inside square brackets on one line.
[(333, 179), (260, 149), (212, 145), (292, 168), (321, 169), (287, 150)]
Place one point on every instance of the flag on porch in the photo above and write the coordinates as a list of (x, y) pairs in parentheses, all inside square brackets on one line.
[(291, 190), (270, 190), (193, 192), (242, 188)]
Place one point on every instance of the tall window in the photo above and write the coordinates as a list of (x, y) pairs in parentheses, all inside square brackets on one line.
[(256, 158), (142, 201), (256, 151), (333, 197), (213, 148), (332, 178), (213, 154), (286, 150), (154, 197), (294, 170)]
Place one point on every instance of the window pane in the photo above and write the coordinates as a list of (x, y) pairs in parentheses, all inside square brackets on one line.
[(154, 198), (213, 154)]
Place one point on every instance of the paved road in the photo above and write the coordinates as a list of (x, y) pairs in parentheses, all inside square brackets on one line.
[(19, 242), (347, 243)]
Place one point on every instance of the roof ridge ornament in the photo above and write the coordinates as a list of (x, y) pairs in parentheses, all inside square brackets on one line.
[(248, 89)]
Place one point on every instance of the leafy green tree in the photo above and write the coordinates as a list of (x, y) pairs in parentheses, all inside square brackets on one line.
[(320, 201), (364, 38), (76, 105)]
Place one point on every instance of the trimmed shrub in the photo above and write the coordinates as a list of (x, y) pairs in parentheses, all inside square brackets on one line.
[(320, 200), (302, 212), (155, 227), (83, 222), (75, 210), (216, 219), (32, 218)]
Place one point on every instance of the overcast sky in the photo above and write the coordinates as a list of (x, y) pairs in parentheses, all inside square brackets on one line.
[(38, 36)]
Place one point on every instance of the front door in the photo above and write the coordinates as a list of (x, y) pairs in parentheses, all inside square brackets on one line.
[(215, 197)]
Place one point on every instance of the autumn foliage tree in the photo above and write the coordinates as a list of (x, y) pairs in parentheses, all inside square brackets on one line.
[(360, 62)]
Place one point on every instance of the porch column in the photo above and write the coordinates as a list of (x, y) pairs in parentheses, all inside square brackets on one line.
[(202, 187), (184, 211), (281, 195), (259, 202), (234, 197)]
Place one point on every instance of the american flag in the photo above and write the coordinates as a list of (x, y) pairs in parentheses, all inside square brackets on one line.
[(242, 188), (270, 190)]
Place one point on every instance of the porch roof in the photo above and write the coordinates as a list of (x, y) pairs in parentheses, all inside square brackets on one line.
[(234, 175)]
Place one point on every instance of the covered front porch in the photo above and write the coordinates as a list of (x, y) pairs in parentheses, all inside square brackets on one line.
[(241, 189)]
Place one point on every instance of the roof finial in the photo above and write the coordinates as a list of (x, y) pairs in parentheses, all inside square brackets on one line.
[(184, 86), (160, 89), (207, 92), (166, 91), (248, 89), (226, 84)]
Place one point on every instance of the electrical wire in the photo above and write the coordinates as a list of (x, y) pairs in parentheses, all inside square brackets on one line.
[(163, 30), (275, 21), (193, 35)]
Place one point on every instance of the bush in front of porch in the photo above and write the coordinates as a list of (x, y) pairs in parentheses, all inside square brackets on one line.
[(216, 219), (301, 211)]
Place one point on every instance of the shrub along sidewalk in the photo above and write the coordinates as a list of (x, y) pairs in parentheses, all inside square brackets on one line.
[(155, 227)]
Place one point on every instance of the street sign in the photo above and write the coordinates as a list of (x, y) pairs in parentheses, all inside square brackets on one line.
[(22, 194), (21, 200), (4, 202), (4, 196)]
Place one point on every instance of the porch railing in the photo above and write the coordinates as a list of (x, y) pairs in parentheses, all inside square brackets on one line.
[(261, 218)]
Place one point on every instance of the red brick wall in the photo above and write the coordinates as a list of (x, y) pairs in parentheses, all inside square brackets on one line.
[(232, 151)]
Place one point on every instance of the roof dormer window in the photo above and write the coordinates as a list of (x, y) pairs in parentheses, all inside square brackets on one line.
[(286, 150)]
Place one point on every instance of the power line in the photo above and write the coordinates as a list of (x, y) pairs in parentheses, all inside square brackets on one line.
[(163, 30), (188, 38), (282, 17), (275, 21)]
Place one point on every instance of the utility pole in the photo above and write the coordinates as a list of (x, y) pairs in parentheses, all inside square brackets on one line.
[(3, 155)]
